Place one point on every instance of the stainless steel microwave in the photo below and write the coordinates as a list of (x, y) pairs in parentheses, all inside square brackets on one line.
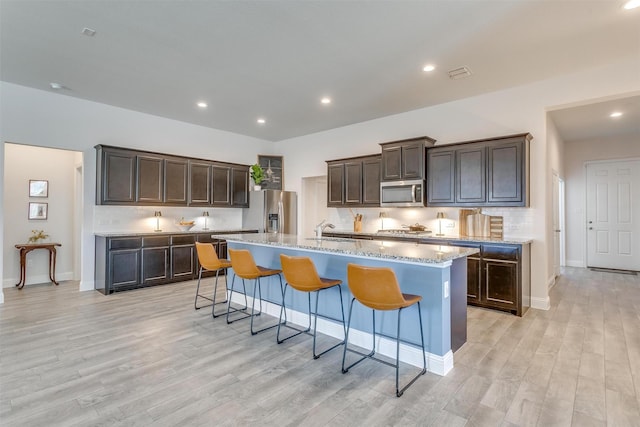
[(402, 193)]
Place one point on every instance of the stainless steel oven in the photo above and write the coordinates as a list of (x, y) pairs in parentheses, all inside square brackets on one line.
[(402, 193)]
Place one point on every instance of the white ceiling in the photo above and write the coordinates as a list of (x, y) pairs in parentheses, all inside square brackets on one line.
[(276, 59)]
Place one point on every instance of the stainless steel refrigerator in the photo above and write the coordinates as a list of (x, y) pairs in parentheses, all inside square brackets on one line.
[(271, 211)]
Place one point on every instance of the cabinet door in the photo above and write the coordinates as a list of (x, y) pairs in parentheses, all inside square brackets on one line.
[(221, 176), (335, 184), (440, 176), (124, 266), (199, 184), (470, 175), (150, 179), (353, 183), (155, 267), (474, 280), (239, 187), (500, 284), (175, 181), (413, 161), (391, 162), (118, 179), (182, 261), (371, 181), (505, 173)]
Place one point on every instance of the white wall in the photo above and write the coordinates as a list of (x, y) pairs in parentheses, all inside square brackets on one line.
[(577, 153), (555, 155), (22, 163), (45, 119), (516, 110)]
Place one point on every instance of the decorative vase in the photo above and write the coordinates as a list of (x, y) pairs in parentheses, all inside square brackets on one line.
[(257, 187)]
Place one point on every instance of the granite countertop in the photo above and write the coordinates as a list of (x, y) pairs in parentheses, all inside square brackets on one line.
[(408, 252), (451, 239), (168, 233)]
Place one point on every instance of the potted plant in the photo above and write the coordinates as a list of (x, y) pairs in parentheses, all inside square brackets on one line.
[(257, 175)]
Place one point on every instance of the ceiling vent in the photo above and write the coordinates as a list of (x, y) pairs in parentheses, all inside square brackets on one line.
[(459, 73)]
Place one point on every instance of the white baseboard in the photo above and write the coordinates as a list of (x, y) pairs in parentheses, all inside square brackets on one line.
[(440, 365), (1, 297), (541, 303), (87, 285), (551, 281), (575, 263), (38, 279)]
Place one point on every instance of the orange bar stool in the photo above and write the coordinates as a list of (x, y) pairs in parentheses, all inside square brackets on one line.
[(209, 261), (245, 267), (378, 289), (300, 273)]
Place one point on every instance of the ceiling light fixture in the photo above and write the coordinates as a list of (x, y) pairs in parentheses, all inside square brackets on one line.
[(56, 86), (261, 121), (615, 114), (631, 4), (202, 104), (326, 100), (88, 32), (428, 68)]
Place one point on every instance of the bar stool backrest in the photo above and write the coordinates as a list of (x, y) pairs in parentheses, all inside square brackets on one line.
[(243, 264), (207, 256), (300, 273), (375, 287)]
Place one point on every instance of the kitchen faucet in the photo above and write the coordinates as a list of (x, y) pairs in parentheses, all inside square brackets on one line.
[(320, 228)]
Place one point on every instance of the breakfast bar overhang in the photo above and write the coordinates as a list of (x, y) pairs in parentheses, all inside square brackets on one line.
[(437, 273)]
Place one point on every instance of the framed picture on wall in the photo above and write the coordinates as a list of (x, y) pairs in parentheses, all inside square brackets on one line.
[(273, 167), (38, 188), (38, 210)]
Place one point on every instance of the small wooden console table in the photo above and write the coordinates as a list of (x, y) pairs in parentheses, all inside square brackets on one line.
[(28, 247)]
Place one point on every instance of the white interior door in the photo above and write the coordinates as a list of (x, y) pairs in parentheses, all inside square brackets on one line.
[(613, 215), (314, 205), (556, 223)]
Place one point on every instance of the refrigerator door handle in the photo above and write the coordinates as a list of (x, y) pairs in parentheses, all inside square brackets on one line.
[(280, 216)]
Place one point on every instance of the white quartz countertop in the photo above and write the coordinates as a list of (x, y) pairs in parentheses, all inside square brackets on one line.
[(397, 251), (426, 235), (168, 232)]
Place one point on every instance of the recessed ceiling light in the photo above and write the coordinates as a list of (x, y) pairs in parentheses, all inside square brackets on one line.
[(631, 4), (429, 67), (615, 114), (202, 104), (261, 121), (325, 100), (88, 32), (57, 86)]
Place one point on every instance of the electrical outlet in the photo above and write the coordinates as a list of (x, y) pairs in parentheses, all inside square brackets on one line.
[(446, 289), (449, 224)]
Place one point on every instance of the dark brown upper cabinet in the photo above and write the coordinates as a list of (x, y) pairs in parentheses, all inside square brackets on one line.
[(200, 183), (487, 172), (132, 177), (116, 176), (404, 159), (240, 186), (354, 181), (176, 181)]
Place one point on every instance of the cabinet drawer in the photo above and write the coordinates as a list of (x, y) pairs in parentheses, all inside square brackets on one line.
[(150, 242), (126, 243), (183, 240), (506, 253)]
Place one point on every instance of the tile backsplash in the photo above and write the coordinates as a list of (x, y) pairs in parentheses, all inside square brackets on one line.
[(140, 218), (518, 222)]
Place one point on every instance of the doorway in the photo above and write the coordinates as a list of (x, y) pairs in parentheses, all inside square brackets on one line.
[(613, 214)]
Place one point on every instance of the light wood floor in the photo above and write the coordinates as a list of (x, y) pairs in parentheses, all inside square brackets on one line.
[(146, 357)]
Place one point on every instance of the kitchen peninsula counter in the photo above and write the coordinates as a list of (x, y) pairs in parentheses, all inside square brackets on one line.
[(418, 236), (436, 273)]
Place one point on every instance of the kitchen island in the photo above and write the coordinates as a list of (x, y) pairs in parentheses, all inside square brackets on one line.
[(438, 274)]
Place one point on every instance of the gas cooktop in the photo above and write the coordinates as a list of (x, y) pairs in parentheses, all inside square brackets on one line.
[(403, 231)]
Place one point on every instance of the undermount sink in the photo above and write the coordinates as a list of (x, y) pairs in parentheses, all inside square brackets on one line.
[(330, 239)]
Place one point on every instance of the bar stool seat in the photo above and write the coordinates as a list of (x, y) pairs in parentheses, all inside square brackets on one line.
[(209, 261), (300, 273), (378, 289), (245, 267)]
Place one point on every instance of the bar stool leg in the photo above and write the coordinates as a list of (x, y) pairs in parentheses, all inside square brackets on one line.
[(230, 297), (315, 326), (258, 288)]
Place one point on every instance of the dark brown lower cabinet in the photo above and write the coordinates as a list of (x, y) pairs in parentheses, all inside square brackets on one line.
[(473, 280), (130, 262)]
